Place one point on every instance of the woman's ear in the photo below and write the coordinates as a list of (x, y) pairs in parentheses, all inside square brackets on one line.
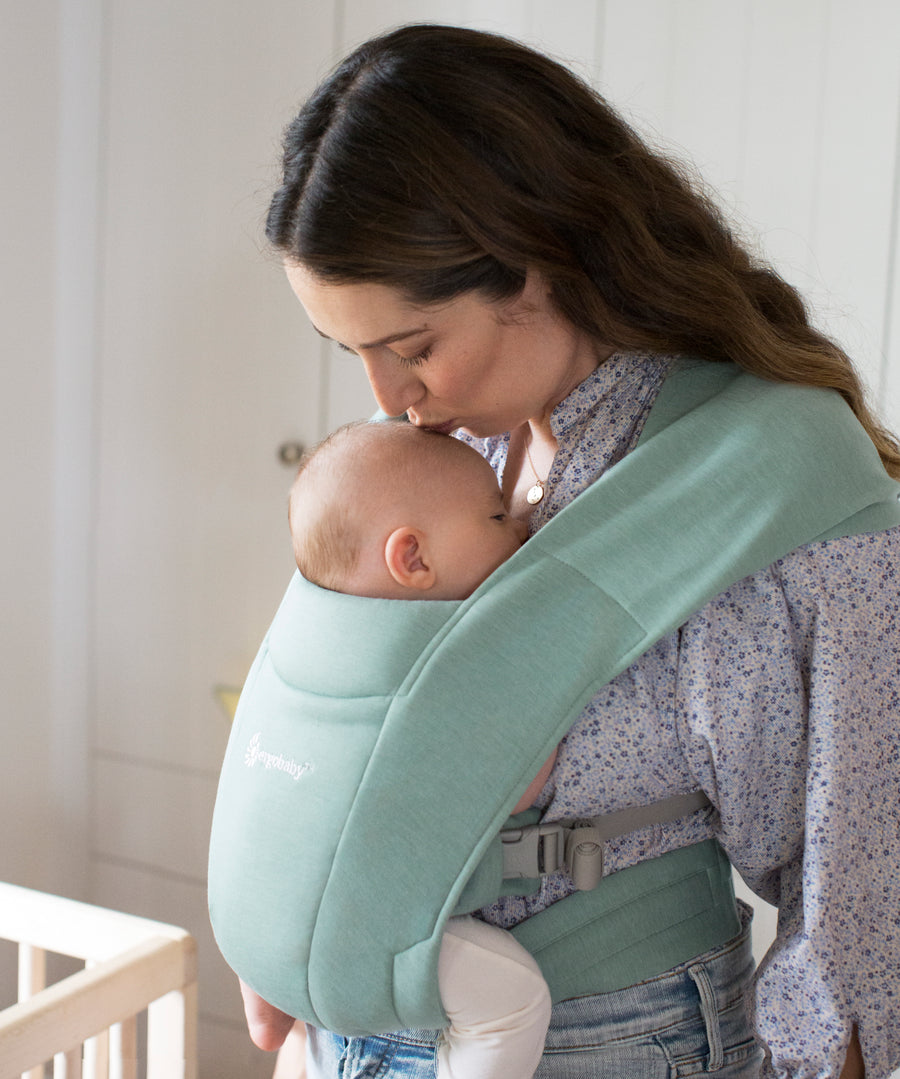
[(407, 559)]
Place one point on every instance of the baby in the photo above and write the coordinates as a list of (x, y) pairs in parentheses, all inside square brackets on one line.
[(393, 511)]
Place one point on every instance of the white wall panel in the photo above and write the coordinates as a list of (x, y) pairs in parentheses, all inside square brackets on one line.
[(790, 114), (174, 837), (634, 61), (42, 766), (705, 86), (569, 31), (781, 110), (203, 371), (75, 303), (854, 196), (349, 395), (724, 86)]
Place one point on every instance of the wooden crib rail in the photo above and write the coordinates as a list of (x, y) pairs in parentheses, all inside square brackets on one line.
[(87, 1023)]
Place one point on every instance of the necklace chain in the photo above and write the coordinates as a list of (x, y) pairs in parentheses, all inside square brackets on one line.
[(536, 491)]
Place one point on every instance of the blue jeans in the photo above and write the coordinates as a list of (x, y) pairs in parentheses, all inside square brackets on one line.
[(690, 1020)]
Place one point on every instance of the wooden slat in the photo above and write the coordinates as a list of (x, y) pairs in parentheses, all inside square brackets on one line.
[(68, 927), (32, 979), (96, 1057), (71, 1011), (123, 1047), (170, 1056), (67, 1065)]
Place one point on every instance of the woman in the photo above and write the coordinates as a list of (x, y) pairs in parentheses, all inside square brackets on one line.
[(511, 263)]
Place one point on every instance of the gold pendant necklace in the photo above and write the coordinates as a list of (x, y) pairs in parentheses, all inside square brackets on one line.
[(535, 492)]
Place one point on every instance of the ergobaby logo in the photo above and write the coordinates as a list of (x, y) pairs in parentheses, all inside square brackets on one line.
[(255, 754)]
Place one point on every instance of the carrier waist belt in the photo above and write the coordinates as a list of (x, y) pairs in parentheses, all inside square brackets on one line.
[(379, 745), (639, 922)]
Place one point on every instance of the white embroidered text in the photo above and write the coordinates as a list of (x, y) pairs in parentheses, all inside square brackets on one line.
[(255, 754)]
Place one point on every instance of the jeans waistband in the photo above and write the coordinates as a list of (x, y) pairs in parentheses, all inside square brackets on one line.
[(728, 969)]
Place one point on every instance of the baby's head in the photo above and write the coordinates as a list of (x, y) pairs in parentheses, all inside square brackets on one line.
[(397, 511)]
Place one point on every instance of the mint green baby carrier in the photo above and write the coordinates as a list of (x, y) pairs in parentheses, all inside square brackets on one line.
[(379, 745)]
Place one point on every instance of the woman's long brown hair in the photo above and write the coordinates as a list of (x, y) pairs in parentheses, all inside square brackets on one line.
[(442, 160)]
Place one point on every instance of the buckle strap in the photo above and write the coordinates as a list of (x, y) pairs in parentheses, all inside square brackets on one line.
[(533, 851), (538, 850)]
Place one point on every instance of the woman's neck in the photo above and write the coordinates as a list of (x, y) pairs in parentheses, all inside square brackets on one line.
[(532, 448)]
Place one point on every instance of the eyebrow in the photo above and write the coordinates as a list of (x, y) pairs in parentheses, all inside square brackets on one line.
[(389, 340)]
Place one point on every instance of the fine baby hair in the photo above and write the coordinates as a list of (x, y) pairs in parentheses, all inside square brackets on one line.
[(392, 510), (349, 477)]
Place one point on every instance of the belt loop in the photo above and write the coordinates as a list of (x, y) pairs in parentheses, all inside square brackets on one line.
[(710, 1016)]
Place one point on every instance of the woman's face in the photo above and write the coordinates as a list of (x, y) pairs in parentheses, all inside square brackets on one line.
[(465, 363)]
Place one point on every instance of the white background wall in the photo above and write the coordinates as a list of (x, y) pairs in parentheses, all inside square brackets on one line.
[(154, 360)]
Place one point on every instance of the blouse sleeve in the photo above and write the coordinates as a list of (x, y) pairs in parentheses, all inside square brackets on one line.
[(789, 704)]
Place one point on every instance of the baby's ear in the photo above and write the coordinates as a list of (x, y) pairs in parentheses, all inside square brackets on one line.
[(407, 559)]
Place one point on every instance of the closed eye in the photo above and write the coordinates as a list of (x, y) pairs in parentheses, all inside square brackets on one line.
[(414, 361), (407, 361)]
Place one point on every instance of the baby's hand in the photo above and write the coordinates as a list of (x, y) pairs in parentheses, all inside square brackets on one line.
[(268, 1026)]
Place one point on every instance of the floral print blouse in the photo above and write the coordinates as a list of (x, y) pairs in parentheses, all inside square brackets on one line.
[(781, 699)]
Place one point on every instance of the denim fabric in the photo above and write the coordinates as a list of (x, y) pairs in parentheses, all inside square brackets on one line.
[(688, 1021)]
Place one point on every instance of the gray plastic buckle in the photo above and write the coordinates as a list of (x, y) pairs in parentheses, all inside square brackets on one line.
[(584, 856), (533, 851)]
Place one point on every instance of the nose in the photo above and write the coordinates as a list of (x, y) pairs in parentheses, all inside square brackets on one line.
[(521, 530), (395, 388)]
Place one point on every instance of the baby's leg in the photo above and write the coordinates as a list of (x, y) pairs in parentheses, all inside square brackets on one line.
[(496, 1000)]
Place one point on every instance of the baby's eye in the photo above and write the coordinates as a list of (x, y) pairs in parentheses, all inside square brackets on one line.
[(499, 516)]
